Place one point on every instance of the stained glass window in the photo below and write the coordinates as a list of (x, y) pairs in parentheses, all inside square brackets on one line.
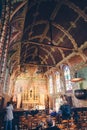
[(67, 78), (58, 86), (50, 84)]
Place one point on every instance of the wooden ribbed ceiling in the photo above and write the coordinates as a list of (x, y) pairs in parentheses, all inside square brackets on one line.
[(48, 32)]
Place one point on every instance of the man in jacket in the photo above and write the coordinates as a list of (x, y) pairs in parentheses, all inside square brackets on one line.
[(8, 116)]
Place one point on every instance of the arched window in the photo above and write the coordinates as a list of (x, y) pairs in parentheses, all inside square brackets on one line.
[(50, 84), (58, 86), (67, 78)]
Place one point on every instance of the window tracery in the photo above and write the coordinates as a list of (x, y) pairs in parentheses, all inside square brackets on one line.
[(67, 78), (50, 84), (58, 85)]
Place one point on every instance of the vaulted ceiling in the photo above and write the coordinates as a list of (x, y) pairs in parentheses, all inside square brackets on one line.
[(48, 33)]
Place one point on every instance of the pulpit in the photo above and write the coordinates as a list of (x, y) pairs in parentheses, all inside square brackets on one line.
[(81, 94)]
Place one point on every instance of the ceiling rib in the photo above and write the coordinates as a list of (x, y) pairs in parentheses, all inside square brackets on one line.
[(50, 45)]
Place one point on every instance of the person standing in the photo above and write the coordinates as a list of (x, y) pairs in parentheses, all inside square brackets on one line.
[(8, 116), (65, 111)]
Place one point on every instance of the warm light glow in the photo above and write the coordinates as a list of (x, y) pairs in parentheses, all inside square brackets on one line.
[(76, 79)]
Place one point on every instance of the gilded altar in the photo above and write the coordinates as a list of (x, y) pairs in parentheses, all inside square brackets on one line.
[(31, 90), (30, 98)]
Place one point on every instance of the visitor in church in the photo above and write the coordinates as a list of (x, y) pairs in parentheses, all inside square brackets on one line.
[(51, 125), (8, 116), (53, 113), (65, 111), (76, 116)]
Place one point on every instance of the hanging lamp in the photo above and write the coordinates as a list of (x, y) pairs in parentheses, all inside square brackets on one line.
[(77, 78)]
